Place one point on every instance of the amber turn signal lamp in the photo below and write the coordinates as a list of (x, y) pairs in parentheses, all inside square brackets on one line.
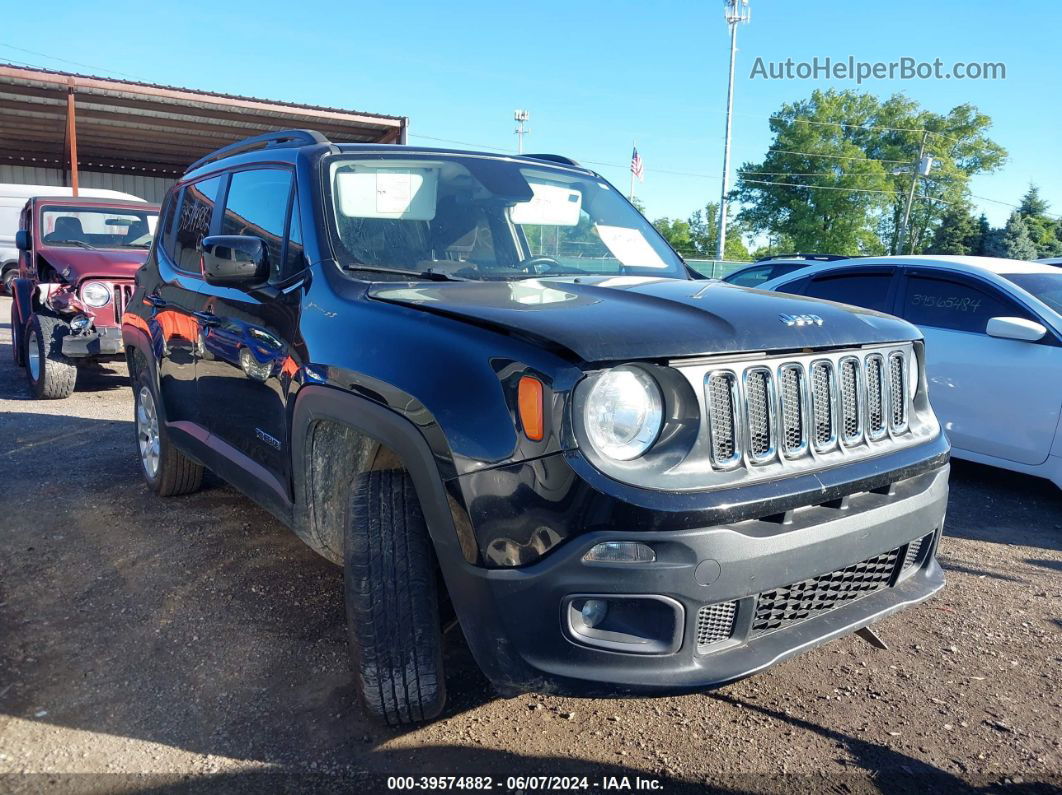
[(529, 403)]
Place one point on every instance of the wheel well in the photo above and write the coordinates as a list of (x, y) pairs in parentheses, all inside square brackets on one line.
[(338, 454)]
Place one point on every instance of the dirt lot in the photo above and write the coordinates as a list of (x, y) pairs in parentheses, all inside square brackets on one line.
[(147, 644)]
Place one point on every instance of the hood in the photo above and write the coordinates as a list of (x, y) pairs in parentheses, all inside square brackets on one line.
[(618, 318), (103, 263)]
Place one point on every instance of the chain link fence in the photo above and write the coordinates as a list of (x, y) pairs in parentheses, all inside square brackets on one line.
[(715, 268)]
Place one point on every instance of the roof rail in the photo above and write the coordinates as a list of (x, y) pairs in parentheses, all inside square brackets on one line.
[(567, 161), (271, 140), (808, 257)]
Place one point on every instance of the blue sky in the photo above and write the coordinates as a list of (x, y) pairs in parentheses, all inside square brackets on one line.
[(594, 75)]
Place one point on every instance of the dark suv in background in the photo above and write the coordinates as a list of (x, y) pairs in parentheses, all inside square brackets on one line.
[(487, 387)]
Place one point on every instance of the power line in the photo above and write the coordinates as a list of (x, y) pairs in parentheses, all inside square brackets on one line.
[(838, 157), (818, 187), (64, 60)]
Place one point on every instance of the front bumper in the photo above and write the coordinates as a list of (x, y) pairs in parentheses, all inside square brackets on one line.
[(101, 341), (521, 635)]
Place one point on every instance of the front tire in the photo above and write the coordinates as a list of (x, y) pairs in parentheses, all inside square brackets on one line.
[(52, 376), (392, 602), (167, 471)]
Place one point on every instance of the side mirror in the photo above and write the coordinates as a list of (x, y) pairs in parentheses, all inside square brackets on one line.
[(1015, 328), (235, 260), (22, 240)]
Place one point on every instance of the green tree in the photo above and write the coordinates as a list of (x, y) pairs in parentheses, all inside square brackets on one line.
[(1043, 229), (695, 238), (1032, 203), (1013, 240), (834, 179), (677, 233), (984, 233), (957, 233)]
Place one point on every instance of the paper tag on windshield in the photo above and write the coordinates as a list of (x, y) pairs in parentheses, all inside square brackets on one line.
[(394, 191), (630, 247)]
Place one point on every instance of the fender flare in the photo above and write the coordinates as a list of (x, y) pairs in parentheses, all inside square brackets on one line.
[(469, 592), (21, 309), (314, 403)]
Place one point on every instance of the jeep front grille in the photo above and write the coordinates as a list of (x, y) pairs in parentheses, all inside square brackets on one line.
[(897, 391), (794, 431), (851, 401), (823, 400), (781, 411), (760, 413), (723, 420), (122, 294)]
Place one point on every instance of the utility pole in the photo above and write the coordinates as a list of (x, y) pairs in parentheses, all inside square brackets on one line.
[(736, 12), (917, 170), (521, 117)]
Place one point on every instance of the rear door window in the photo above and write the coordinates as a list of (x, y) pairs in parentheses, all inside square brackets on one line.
[(753, 276), (193, 224), (955, 304), (868, 290)]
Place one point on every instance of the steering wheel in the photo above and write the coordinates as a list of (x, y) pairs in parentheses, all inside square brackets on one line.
[(540, 264)]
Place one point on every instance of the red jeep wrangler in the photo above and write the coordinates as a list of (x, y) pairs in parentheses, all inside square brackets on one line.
[(77, 258)]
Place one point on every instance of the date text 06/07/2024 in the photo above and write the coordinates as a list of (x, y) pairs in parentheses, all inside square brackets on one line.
[(524, 783)]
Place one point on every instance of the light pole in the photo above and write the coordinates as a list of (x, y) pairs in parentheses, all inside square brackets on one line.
[(520, 117), (736, 12)]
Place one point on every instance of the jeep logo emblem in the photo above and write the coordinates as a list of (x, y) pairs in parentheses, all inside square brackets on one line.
[(801, 320)]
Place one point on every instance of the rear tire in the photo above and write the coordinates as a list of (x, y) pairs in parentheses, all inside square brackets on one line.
[(52, 376), (167, 471), (392, 603), (8, 280)]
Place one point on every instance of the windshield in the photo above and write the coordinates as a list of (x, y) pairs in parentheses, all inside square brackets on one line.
[(1045, 286), (98, 227), (487, 218)]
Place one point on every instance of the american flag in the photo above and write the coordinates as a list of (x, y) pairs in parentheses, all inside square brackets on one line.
[(637, 168)]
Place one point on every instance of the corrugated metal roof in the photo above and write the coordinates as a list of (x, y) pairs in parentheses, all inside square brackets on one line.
[(126, 126)]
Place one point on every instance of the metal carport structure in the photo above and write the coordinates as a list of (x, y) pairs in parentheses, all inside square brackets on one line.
[(60, 128)]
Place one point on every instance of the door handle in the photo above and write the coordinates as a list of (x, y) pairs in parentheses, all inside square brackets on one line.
[(207, 318), (156, 301)]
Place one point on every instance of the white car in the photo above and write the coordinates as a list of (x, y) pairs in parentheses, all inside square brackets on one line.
[(993, 330)]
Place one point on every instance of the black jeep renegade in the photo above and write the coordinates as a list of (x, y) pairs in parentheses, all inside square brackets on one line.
[(488, 389)]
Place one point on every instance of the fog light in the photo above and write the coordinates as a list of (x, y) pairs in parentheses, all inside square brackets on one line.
[(594, 611), (80, 323), (620, 552)]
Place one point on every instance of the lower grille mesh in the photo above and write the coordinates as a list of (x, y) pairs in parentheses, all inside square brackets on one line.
[(782, 607), (715, 623), (913, 550)]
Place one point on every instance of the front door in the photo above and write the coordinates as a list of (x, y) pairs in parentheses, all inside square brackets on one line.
[(177, 302), (244, 373), (994, 397)]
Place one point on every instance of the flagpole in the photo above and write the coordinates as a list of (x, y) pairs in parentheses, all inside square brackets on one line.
[(630, 196)]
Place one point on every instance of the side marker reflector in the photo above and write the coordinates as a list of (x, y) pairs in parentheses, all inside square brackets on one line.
[(529, 404)]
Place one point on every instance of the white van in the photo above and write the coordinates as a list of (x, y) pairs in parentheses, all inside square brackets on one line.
[(13, 199)]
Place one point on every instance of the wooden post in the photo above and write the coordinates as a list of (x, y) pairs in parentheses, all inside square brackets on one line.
[(71, 137)]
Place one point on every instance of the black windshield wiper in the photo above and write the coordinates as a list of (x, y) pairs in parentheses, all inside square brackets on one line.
[(426, 275), (80, 243)]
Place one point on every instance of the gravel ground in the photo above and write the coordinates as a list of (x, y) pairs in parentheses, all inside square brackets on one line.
[(149, 644)]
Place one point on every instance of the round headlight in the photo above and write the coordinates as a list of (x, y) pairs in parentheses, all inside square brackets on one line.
[(624, 412), (96, 294)]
